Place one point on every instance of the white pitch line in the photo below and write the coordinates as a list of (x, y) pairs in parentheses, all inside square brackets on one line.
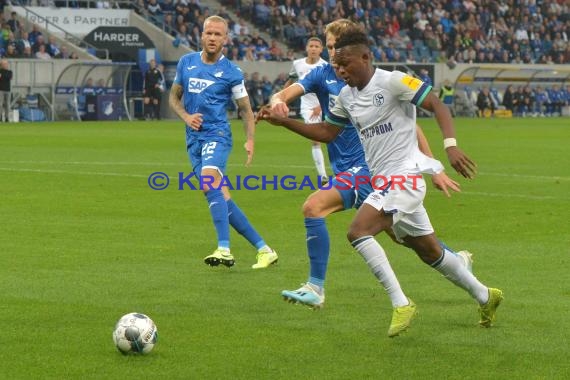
[(271, 166), (94, 163), (112, 174), (142, 163), (526, 176), (74, 173), (506, 195)]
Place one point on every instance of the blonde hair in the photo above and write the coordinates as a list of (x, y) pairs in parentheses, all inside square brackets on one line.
[(217, 19), (337, 27)]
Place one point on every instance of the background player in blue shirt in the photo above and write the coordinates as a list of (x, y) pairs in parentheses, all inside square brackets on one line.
[(204, 84)]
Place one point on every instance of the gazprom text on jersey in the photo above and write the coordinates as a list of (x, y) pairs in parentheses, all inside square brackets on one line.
[(376, 130)]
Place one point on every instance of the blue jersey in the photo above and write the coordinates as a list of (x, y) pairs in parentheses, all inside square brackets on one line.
[(207, 89), (345, 151), (565, 95), (556, 96), (541, 97)]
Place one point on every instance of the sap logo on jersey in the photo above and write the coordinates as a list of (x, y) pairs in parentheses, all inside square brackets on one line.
[(197, 85)]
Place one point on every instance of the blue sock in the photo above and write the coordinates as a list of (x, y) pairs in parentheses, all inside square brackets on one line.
[(241, 224), (318, 247), (219, 212)]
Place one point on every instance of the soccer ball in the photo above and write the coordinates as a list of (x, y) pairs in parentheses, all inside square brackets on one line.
[(135, 333)]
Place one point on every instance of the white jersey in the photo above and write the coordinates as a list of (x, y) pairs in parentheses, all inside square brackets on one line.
[(384, 115), (299, 70)]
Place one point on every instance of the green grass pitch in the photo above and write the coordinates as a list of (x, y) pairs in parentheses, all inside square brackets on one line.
[(84, 240)]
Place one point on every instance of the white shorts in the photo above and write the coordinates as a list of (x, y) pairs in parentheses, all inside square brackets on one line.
[(409, 215), (306, 115)]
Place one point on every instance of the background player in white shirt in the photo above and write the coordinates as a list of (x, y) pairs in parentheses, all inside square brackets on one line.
[(310, 108), (381, 105)]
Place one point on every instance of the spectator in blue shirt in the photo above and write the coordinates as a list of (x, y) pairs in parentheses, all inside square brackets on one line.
[(541, 101), (557, 100), (566, 93), (33, 35), (424, 76)]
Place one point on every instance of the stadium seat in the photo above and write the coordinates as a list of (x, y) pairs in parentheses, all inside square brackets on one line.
[(469, 101), (32, 101), (425, 52), (497, 97), (418, 44), (31, 110)]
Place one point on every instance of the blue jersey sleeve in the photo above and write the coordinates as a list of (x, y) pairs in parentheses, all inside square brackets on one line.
[(311, 81), (182, 63), (323, 82), (178, 76), (236, 75)]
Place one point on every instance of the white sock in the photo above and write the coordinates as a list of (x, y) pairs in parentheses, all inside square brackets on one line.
[(319, 289), (375, 257), (319, 160), (453, 268)]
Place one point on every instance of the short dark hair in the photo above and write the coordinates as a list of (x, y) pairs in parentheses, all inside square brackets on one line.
[(352, 36), (316, 39)]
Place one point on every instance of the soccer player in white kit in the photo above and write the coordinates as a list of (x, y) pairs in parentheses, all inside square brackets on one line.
[(381, 105), (310, 108)]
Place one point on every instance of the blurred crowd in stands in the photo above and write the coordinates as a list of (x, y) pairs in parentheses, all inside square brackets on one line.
[(420, 31), (523, 100), (18, 42)]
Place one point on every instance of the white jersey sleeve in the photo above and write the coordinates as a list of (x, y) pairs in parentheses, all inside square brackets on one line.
[(293, 72), (408, 88)]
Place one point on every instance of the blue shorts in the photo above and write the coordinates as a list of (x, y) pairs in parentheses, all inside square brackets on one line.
[(209, 154), (353, 186)]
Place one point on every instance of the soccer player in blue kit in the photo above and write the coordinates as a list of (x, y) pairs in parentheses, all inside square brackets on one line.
[(204, 84), (347, 157)]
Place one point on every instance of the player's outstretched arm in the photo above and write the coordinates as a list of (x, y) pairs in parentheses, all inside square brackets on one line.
[(194, 121), (458, 160), (175, 100), (423, 143), (441, 181), (323, 132), (249, 126), (281, 99)]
